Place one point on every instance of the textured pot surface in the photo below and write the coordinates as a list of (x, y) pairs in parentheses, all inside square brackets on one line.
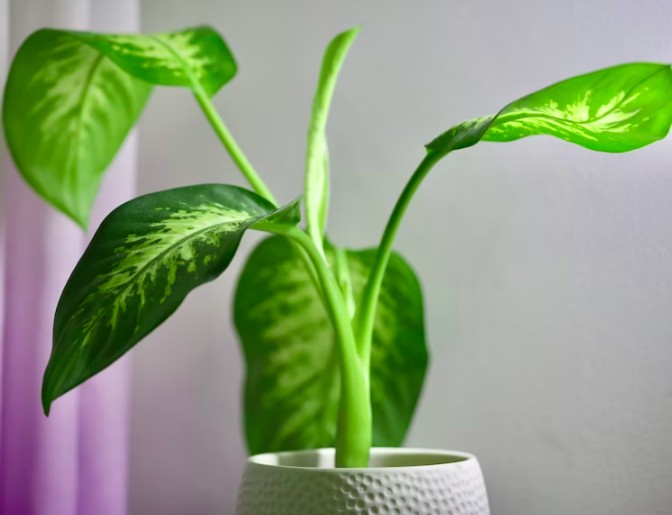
[(400, 481)]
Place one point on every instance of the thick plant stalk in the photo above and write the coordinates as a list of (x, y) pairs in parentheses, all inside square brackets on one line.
[(354, 430)]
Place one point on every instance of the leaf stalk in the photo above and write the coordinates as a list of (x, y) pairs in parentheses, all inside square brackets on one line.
[(231, 146), (366, 312)]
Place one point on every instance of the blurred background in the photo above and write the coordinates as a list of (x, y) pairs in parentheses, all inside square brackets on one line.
[(546, 268)]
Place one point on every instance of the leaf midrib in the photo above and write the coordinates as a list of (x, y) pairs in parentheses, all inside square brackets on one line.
[(531, 114), (187, 69), (171, 248), (76, 148)]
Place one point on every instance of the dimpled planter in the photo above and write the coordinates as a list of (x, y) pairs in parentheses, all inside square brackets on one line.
[(400, 481)]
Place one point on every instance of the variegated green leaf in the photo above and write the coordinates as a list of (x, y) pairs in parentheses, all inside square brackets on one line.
[(193, 58), (146, 256), (317, 156), (72, 97), (67, 109), (292, 380), (617, 109)]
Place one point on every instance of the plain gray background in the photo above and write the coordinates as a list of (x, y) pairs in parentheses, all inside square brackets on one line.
[(546, 268)]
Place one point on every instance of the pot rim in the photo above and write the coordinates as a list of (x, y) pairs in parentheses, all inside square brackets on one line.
[(446, 458)]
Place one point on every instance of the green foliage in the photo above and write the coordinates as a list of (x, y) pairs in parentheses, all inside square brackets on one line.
[(617, 109), (72, 98), (316, 191), (330, 335), (147, 255), (192, 58), (66, 112), (292, 382)]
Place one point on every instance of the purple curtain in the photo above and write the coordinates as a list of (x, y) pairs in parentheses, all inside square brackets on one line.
[(76, 461)]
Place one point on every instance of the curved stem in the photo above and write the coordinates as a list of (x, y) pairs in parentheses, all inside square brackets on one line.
[(354, 430), (317, 155), (311, 271), (342, 273), (366, 312), (243, 163), (353, 436), (231, 146)]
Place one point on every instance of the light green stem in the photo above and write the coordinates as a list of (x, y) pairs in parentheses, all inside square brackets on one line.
[(364, 319), (317, 156), (243, 163), (353, 436), (311, 271), (231, 146), (342, 271)]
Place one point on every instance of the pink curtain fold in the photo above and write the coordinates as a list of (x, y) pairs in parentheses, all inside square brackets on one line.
[(76, 461)]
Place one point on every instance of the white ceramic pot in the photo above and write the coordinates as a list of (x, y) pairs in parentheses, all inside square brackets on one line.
[(399, 481)]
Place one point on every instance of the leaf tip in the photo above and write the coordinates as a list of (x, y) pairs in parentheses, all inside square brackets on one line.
[(80, 219), (46, 400), (77, 213), (82, 223), (351, 33), (48, 394)]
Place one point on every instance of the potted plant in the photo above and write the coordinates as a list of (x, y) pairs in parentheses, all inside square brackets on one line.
[(333, 338)]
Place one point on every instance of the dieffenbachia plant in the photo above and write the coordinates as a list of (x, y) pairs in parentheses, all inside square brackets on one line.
[(333, 338)]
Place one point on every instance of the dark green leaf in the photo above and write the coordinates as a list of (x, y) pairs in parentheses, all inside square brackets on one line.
[(292, 382), (72, 97), (617, 109), (146, 256)]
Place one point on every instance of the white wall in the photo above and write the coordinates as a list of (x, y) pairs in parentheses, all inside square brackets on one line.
[(547, 269)]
